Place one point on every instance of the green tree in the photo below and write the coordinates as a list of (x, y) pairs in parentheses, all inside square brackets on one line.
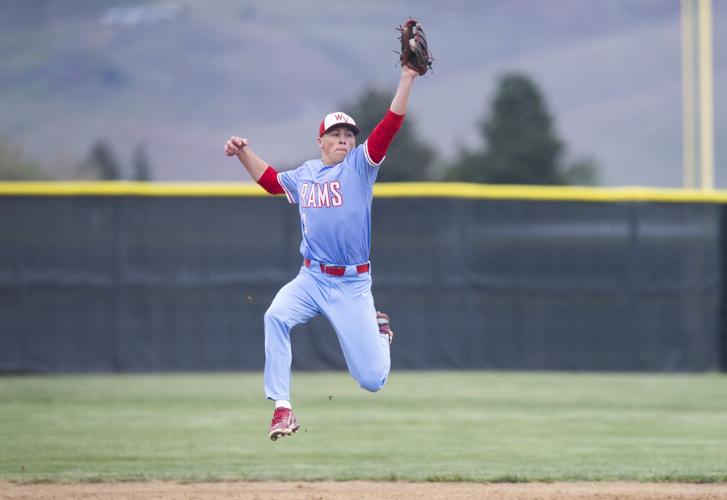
[(101, 163), (582, 172), (522, 144), (140, 161), (408, 158), (14, 166)]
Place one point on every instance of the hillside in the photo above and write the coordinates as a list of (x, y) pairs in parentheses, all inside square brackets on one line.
[(181, 76)]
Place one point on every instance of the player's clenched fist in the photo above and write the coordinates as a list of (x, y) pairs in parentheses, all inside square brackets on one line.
[(234, 145)]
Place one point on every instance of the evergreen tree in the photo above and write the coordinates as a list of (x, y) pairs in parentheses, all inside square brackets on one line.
[(408, 158), (101, 163), (140, 161), (522, 148), (522, 145)]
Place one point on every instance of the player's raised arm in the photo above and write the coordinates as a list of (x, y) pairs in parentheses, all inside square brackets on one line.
[(384, 132), (415, 60), (260, 171), (400, 103)]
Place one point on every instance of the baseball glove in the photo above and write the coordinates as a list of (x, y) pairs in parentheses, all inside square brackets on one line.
[(414, 49)]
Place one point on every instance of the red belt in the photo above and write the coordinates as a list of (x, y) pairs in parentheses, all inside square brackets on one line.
[(338, 270)]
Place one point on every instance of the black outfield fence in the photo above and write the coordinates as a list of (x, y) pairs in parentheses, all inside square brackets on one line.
[(134, 277)]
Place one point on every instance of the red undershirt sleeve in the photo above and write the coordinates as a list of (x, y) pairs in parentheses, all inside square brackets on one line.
[(269, 181), (380, 139)]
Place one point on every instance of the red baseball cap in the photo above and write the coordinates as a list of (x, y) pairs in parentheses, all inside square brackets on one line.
[(337, 118)]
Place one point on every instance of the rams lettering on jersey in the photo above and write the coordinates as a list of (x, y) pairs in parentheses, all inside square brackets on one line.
[(321, 195)]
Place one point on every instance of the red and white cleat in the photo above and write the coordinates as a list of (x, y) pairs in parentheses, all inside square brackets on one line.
[(384, 329), (284, 424)]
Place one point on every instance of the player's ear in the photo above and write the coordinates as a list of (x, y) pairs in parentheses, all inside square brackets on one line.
[(320, 143)]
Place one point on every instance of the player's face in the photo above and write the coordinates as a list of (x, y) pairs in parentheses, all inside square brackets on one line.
[(336, 144)]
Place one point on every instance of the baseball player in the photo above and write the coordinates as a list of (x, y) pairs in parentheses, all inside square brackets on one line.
[(334, 195)]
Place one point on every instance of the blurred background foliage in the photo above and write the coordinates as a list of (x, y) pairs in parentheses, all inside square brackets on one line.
[(151, 89)]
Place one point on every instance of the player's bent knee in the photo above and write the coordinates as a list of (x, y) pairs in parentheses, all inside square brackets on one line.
[(372, 387), (372, 384), (273, 315)]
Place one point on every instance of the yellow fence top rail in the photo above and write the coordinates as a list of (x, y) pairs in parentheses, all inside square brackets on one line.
[(382, 190)]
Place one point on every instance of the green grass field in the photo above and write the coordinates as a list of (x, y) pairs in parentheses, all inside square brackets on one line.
[(424, 426)]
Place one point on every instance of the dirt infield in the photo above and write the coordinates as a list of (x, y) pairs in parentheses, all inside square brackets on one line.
[(364, 490)]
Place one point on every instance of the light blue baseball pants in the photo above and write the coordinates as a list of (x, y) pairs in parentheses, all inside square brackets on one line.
[(347, 303)]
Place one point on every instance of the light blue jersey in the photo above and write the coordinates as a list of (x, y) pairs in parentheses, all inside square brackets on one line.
[(335, 212), (335, 207)]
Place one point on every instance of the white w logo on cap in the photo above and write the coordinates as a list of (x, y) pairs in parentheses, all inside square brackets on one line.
[(337, 118)]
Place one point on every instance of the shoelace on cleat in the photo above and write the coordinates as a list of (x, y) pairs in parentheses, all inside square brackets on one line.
[(279, 415)]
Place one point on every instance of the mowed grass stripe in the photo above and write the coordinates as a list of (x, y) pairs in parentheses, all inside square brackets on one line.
[(424, 426)]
